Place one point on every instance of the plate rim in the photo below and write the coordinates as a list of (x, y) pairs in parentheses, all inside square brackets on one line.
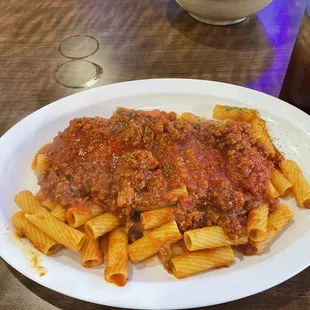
[(149, 84)]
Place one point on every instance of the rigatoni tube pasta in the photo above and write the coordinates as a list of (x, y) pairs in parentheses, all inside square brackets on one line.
[(195, 262), (282, 185), (257, 223), (192, 118), (27, 202), (79, 215), (277, 220), (261, 135), (301, 188), (38, 238), (116, 270), (157, 218), (60, 213), (47, 203), (102, 224), (152, 242), (273, 191), (210, 237), (59, 231), (91, 253), (41, 165), (234, 113)]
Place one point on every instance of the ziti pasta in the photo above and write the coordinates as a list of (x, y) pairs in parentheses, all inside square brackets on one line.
[(144, 183)]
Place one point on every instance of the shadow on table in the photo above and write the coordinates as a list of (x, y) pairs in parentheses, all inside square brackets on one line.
[(220, 37), (244, 52), (273, 299)]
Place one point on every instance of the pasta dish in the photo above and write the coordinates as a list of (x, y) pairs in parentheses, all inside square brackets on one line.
[(187, 189)]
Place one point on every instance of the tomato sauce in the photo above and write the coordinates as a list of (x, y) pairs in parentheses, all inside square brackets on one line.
[(213, 172)]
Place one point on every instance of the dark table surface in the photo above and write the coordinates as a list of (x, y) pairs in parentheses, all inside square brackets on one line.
[(135, 40)]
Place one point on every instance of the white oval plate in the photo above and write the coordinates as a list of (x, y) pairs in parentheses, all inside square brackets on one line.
[(150, 286)]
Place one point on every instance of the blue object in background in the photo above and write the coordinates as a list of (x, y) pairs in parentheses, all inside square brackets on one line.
[(277, 31)]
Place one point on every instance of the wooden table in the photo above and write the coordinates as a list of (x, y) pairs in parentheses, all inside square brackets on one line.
[(137, 40)]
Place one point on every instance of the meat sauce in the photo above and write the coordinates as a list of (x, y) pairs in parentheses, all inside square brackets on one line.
[(213, 172)]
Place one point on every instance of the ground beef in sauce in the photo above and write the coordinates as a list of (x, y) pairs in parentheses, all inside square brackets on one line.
[(213, 172)]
